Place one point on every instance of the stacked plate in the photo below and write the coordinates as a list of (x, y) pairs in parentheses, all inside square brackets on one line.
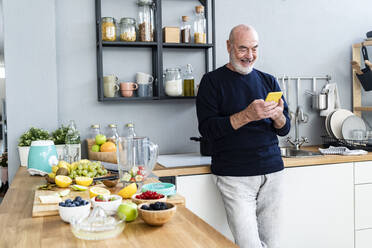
[(341, 124)]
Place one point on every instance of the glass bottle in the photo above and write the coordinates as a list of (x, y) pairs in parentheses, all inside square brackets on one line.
[(200, 25), (94, 130), (185, 30), (113, 134), (127, 29), (145, 20), (108, 29), (173, 85), (188, 82), (72, 144), (130, 133)]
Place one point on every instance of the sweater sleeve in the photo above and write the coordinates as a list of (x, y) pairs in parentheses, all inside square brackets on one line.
[(287, 126), (211, 124)]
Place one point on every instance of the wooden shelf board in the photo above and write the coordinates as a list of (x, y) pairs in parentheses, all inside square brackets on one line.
[(365, 108)]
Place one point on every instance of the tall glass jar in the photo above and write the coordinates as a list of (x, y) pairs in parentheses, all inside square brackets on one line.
[(200, 26), (127, 29), (173, 82), (185, 30), (94, 130), (112, 134), (145, 20), (108, 29)]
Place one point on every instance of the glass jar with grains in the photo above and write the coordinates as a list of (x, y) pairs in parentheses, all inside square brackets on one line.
[(127, 29), (108, 29), (145, 20)]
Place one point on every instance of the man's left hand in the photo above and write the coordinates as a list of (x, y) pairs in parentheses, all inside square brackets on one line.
[(277, 115)]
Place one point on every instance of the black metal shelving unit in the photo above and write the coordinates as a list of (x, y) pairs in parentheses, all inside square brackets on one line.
[(157, 49)]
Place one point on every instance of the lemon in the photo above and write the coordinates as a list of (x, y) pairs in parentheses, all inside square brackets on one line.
[(63, 181), (84, 181), (79, 187), (54, 168), (128, 191), (94, 191), (64, 164), (74, 165)]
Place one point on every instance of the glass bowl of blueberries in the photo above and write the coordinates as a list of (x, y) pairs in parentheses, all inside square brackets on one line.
[(157, 213), (73, 208)]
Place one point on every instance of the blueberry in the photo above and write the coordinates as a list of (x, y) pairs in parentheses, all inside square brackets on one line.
[(68, 201), (62, 204), (145, 207), (73, 205), (77, 204), (77, 198), (68, 204), (85, 202)]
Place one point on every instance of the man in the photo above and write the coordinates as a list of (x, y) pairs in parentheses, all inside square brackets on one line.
[(243, 129)]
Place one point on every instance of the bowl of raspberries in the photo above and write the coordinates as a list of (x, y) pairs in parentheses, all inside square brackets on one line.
[(156, 213), (148, 197)]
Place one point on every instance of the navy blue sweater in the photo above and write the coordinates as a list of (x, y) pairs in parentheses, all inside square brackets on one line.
[(253, 148)]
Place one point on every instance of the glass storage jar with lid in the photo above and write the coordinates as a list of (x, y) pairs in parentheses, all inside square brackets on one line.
[(173, 82), (108, 29), (145, 20), (127, 29)]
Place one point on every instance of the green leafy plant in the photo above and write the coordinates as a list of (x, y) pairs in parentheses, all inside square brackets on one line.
[(33, 134), (4, 160), (59, 136)]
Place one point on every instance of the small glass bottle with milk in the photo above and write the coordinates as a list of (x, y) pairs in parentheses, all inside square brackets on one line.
[(173, 85)]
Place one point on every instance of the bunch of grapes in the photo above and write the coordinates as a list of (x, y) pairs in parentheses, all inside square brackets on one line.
[(87, 168)]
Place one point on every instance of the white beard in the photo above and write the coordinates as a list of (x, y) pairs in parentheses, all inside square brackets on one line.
[(238, 67)]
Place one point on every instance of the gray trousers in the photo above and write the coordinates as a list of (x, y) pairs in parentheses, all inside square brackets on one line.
[(252, 207)]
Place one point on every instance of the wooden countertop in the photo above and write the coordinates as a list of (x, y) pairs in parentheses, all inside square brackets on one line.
[(19, 229), (162, 171)]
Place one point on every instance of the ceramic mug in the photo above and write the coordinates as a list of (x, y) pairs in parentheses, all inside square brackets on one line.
[(144, 90), (127, 88), (144, 78), (110, 86)]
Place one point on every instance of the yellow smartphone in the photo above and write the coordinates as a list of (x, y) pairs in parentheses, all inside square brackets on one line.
[(274, 96)]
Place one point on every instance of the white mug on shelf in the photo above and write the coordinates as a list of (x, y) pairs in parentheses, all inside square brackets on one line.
[(110, 86), (144, 78)]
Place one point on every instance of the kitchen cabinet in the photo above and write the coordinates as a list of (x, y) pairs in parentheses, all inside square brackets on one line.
[(158, 48), (363, 239), (318, 205)]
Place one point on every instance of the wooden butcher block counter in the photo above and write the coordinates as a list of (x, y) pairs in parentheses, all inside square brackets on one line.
[(19, 229), (162, 171)]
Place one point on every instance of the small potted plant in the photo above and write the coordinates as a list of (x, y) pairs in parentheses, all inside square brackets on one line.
[(25, 141)]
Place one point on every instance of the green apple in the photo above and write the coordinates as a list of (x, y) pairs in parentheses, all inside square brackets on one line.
[(95, 148), (100, 139), (127, 210)]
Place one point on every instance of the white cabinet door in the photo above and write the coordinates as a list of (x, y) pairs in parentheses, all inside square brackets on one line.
[(363, 239), (363, 206), (318, 207), (203, 199), (363, 172)]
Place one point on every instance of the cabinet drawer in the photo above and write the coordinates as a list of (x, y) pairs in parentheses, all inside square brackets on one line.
[(363, 238), (363, 206), (363, 172)]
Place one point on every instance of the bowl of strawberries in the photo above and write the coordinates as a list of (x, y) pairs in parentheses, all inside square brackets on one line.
[(148, 197)]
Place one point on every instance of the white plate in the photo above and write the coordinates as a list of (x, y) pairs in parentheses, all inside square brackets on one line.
[(351, 123), (327, 124), (336, 120)]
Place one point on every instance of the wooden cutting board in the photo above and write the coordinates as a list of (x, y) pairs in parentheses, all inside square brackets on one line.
[(40, 209)]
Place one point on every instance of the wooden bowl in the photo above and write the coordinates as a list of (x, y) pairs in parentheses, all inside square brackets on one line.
[(139, 201), (157, 217)]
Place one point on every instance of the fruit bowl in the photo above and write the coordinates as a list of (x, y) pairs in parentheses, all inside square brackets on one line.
[(68, 213), (110, 206), (139, 201), (157, 217)]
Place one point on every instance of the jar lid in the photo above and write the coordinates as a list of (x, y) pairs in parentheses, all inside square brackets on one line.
[(95, 126), (144, 2), (128, 20), (107, 19), (112, 125), (199, 9), (173, 69), (130, 124)]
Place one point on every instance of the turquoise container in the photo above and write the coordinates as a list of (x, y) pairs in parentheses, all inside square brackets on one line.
[(42, 156)]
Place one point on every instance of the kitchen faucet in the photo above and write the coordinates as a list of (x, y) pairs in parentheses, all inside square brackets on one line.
[(299, 117)]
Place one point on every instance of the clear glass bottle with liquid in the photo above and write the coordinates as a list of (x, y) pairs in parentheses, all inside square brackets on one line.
[(188, 82), (94, 131), (200, 33), (185, 30), (129, 130), (72, 143), (113, 133)]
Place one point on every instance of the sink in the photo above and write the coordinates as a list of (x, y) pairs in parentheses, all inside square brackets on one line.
[(293, 153)]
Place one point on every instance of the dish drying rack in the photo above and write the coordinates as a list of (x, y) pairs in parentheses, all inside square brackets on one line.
[(349, 143)]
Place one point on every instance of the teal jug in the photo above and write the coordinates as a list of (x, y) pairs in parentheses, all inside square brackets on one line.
[(41, 158)]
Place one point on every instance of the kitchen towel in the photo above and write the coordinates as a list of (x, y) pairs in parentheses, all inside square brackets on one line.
[(341, 150)]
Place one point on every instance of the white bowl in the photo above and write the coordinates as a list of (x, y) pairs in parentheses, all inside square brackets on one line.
[(109, 206), (67, 213)]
